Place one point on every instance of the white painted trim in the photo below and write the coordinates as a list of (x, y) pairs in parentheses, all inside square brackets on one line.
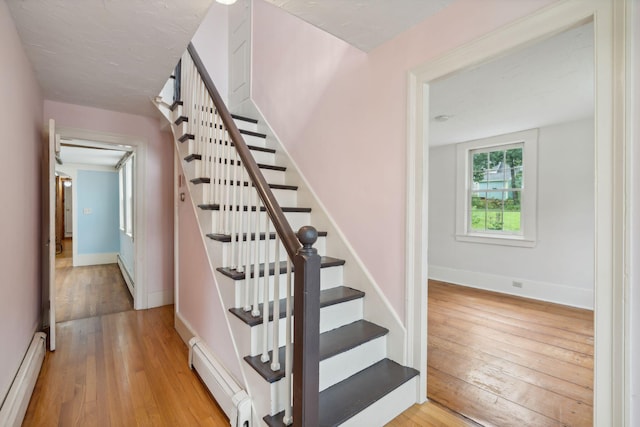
[(14, 406), (631, 37), (417, 219), (529, 140), (139, 146), (543, 291), (159, 298), (611, 391), (81, 260), (184, 329), (126, 275)]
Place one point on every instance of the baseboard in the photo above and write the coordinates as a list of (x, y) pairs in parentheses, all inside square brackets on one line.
[(183, 328), (544, 291), (81, 260), (15, 404), (159, 298), (128, 279)]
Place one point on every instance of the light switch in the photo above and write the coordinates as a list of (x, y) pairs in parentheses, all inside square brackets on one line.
[(86, 211)]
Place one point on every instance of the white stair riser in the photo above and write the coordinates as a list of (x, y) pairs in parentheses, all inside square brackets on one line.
[(201, 193), (330, 277), (270, 175), (387, 408), (242, 124), (226, 250), (295, 219), (350, 311), (343, 365), (337, 368)]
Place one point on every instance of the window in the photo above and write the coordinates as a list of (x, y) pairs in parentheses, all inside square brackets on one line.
[(125, 175), (496, 190)]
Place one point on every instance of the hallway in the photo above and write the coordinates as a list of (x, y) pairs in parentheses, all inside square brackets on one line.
[(115, 366), (88, 291)]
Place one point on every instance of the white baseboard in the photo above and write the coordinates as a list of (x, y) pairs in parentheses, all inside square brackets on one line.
[(94, 259), (544, 291), (159, 298), (128, 279), (15, 404), (183, 328)]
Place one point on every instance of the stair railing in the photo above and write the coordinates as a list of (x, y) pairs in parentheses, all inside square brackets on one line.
[(250, 216)]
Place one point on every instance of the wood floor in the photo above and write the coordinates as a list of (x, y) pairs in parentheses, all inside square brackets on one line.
[(121, 369), (499, 361), (88, 291), (508, 361)]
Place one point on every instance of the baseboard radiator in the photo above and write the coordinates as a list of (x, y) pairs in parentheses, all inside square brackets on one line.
[(15, 404), (125, 275), (234, 401)]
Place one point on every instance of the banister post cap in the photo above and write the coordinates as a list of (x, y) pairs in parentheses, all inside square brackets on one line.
[(307, 235)]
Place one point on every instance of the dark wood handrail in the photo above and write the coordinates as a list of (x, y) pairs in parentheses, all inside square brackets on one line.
[(287, 235)]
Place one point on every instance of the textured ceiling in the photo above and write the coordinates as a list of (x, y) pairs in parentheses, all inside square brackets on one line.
[(112, 54), (547, 83), (366, 24)]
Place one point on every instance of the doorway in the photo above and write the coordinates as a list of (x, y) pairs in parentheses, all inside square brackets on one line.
[(610, 395)]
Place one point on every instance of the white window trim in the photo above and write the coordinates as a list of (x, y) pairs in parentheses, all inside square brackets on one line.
[(529, 215)]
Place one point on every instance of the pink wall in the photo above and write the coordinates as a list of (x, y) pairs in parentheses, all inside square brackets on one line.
[(198, 300), (21, 143), (332, 104), (159, 179)]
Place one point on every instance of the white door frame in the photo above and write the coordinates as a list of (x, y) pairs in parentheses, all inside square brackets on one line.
[(140, 297), (611, 376)]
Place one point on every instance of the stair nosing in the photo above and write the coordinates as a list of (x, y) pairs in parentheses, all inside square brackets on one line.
[(244, 119), (253, 133), (226, 238), (290, 209), (205, 180), (332, 343), (333, 398), (327, 299), (192, 157), (325, 262)]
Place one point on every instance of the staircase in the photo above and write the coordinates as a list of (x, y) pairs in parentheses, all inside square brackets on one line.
[(358, 384)]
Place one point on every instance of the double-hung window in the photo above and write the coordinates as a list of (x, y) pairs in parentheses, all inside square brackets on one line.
[(496, 189)]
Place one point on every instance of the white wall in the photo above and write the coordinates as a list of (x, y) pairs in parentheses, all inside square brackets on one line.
[(560, 267), (212, 43)]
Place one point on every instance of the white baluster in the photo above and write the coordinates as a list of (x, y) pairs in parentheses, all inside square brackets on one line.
[(256, 261), (234, 204), (288, 358), (275, 364), (265, 293)]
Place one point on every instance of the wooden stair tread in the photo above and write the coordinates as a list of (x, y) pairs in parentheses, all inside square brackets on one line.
[(325, 262), (204, 180), (342, 401), (332, 343), (188, 136), (216, 207), (192, 157), (226, 238), (328, 297), (252, 133), (244, 119)]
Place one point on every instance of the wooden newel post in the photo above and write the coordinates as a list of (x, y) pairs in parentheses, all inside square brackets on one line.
[(306, 348)]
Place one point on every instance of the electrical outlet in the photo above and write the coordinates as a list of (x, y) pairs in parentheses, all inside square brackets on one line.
[(517, 284)]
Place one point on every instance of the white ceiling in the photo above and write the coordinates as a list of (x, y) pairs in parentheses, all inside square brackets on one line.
[(547, 83), (112, 54), (365, 24)]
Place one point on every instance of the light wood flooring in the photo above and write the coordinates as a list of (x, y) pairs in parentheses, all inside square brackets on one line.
[(88, 291), (509, 361), (498, 360)]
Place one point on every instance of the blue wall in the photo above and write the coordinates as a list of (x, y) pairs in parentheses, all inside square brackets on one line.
[(98, 231)]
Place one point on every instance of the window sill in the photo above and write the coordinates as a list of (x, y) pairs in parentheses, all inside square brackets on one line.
[(503, 240)]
